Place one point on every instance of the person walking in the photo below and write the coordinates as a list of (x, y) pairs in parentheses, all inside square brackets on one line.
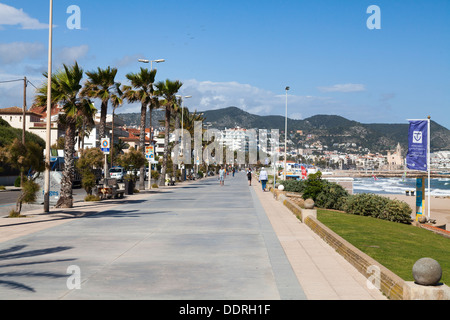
[(263, 177), (249, 176), (221, 176)]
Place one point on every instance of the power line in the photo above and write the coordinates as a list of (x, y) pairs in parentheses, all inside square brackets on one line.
[(32, 84), (6, 81)]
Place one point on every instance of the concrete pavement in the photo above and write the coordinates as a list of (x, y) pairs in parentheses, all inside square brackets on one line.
[(196, 241)]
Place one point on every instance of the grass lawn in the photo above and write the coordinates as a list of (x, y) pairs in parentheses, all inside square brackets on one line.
[(396, 246)]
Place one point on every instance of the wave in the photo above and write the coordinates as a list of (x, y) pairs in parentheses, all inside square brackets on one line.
[(439, 187)]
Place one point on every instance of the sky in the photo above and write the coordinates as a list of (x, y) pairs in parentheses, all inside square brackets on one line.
[(244, 53)]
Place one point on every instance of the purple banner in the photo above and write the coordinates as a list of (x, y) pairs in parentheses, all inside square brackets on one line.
[(416, 159)]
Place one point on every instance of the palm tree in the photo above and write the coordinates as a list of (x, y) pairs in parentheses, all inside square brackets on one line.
[(101, 84), (116, 101), (167, 90), (66, 90), (141, 90)]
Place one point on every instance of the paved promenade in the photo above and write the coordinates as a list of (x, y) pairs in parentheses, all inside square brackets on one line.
[(197, 241)]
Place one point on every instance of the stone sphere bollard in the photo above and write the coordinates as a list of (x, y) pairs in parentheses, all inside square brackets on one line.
[(281, 187), (422, 219), (309, 204), (427, 272)]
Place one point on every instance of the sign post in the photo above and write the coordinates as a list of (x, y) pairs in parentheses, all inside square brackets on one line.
[(418, 158), (105, 146), (150, 155)]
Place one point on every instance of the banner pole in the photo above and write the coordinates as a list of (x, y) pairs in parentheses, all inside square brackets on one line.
[(429, 166)]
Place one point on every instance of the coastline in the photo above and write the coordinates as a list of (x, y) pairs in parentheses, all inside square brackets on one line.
[(440, 207)]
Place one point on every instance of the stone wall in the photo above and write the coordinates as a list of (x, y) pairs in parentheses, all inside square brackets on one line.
[(390, 284)]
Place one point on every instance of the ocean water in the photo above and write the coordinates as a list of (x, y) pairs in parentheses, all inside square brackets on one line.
[(439, 186)]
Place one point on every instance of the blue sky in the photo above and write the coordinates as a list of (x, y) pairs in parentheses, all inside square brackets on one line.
[(244, 53)]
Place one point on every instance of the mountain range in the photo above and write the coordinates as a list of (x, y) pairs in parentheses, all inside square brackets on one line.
[(333, 131)]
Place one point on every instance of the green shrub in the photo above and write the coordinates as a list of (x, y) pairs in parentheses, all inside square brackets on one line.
[(14, 214), (332, 196), (92, 197), (30, 189), (313, 186), (372, 205), (2, 188), (17, 182), (398, 211), (366, 204), (293, 185), (155, 185)]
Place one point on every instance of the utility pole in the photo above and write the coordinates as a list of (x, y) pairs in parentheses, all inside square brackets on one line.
[(24, 108), (49, 114), (24, 114)]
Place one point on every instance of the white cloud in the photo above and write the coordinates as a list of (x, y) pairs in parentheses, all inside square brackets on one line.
[(128, 60), (14, 52), (69, 55), (208, 95), (348, 87), (12, 16)]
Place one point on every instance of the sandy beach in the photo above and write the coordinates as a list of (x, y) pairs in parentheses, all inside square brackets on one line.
[(440, 207)]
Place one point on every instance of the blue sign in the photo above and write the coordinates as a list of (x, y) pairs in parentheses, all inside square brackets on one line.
[(105, 145), (416, 159)]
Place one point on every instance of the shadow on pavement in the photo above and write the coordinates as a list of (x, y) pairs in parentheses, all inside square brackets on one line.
[(18, 252)]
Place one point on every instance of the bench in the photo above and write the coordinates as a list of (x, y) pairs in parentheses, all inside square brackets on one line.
[(109, 188)]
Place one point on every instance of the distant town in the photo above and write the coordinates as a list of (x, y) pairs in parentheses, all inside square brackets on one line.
[(302, 146)]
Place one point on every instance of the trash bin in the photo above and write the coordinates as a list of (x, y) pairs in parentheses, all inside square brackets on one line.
[(129, 187)]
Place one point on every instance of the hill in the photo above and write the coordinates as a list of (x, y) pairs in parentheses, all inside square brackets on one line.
[(333, 131)]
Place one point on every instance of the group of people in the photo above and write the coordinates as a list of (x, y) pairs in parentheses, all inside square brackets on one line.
[(263, 177), (223, 173)]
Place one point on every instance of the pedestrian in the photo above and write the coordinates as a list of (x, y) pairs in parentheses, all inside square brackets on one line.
[(221, 176), (249, 176), (263, 177), (234, 170)]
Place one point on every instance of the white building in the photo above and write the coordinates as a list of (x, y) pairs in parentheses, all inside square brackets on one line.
[(34, 122)]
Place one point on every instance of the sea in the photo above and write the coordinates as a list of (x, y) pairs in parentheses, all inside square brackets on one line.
[(439, 186)]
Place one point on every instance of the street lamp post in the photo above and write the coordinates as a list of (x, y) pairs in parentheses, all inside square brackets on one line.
[(182, 124), (285, 134), (151, 62), (49, 111), (150, 125)]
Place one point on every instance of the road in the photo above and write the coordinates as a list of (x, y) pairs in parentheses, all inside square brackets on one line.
[(196, 241)]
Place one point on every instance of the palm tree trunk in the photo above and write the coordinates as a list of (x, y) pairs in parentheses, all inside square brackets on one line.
[(66, 197), (103, 112), (166, 148), (174, 164), (142, 146), (150, 111)]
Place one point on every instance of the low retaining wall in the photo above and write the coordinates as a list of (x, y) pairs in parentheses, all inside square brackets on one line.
[(389, 283)]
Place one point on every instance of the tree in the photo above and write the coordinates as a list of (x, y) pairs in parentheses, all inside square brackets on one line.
[(131, 160), (66, 90), (89, 160), (116, 101), (120, 146), (167, 90), (101, 84), (28, 156), (141, 90)]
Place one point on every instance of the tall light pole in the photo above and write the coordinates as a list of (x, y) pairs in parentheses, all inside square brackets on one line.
[(151, 62), (150, 124), (182, 124), (285, 134), (49, 114)]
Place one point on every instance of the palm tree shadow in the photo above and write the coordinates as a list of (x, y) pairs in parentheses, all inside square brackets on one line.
[(18, 252)]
